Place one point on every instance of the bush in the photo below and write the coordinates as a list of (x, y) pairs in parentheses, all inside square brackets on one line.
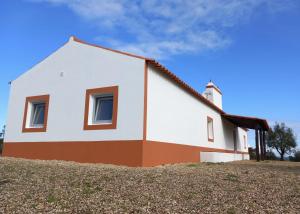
[(296, 156), (270, 155), (252, 153)]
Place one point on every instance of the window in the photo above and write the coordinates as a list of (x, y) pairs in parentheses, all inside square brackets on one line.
[(210, 129), (245, 142), (101, 106), (103, 109), (36, 114)]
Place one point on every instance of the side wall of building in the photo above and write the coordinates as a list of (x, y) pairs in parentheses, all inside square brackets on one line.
[(65, 76), (174, 116)]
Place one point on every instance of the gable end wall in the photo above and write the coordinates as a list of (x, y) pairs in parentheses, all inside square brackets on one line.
[(65, 76)]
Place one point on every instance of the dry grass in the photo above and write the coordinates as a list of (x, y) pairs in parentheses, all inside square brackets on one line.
[(66, 187)]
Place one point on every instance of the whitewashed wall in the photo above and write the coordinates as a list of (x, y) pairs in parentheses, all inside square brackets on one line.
[(240, 135), (83, 67), (215, 96), (215, 157), (175, 116)]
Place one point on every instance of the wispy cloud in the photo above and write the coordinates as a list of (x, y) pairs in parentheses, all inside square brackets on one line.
[(164, 28)]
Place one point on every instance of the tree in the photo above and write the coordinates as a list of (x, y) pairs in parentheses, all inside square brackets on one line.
[(1, 139), (1, 146), (282, 139), (2, 133)]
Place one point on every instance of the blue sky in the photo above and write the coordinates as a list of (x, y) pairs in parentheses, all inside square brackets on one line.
[(249, 48)]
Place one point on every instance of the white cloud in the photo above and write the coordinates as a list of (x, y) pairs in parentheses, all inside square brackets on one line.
[(205, 40), (161, 29)]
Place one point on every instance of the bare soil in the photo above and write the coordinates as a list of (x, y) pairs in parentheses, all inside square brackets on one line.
[(31, 186)]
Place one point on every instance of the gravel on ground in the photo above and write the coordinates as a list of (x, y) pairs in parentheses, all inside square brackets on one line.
[(36, 186)]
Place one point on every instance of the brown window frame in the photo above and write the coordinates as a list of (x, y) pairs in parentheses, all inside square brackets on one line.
[(29, 100), (95, 91), (210, 119)]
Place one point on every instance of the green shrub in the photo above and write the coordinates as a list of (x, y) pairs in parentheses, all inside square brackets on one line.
[(270, 155), (252, 153), (296, 156)]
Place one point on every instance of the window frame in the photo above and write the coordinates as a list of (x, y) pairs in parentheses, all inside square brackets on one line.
[(104, 97), (32, 116), (90, 99), (29, 102), (210, 119), (245, 142)]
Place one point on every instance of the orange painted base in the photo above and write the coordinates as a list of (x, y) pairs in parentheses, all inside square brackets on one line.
[(157, 153), (129, 153)]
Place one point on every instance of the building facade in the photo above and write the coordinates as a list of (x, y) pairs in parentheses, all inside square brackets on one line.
[(87, 103)]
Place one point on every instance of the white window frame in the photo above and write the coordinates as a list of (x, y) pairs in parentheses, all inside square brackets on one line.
[(28, 125), (210, 120), (88, 123), (31, 123), (99, 96)]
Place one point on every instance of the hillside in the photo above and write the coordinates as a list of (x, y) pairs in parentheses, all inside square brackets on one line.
[(66, 187)]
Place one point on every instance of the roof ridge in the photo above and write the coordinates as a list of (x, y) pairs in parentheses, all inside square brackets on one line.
[(109, 49)]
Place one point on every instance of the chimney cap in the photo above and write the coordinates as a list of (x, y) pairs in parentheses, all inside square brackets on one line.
[(72, 38), (210, 84)]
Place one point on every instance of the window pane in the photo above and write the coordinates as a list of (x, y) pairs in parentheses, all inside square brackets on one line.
[(210, 129), (38, 114), (104, 108)]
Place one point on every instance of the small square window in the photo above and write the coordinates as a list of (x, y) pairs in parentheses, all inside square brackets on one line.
[(210, 129), (101, 105), (36, 114), (103, 109)]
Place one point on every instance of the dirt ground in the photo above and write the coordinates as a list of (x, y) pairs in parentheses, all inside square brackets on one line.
[(28, 186)]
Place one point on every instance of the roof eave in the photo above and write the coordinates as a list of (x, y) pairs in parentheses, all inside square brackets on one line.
[(262, 122), (109, 49)]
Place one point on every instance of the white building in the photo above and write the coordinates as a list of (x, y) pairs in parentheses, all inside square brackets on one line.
[(87, 103)]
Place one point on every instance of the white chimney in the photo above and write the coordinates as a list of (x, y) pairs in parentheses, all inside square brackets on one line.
[(213, 94)]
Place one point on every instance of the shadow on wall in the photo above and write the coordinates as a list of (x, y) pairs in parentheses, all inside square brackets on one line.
[(228, 134)]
